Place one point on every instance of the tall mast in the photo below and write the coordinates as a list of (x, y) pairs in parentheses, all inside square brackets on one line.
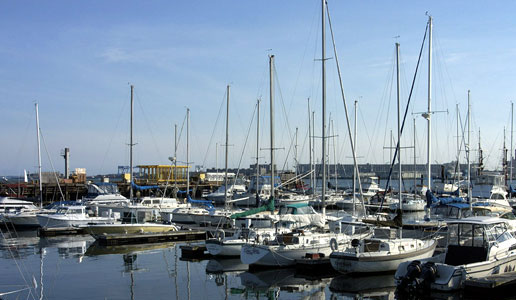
[(131, 147), (175, 156), (323, 154), (512, 150), (271, 96), (429, 117), (355, 150), (415, 160), (227, 144), (39, 158), (469, 148), (399, 119), (458, 151), (310, 145), (314, 166), (187, 151), (257, 149), (295, 152)]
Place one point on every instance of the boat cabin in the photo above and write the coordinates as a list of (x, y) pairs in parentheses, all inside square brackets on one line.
[(102, 188), (296, 209), (472, 239)]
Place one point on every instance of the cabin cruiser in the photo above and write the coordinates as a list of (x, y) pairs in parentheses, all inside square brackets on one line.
[(71, 216), (13, 205), (491, 188), (97, 230), (477, 247), (104, 193), (222, 245), (410, 202), (219, 196)]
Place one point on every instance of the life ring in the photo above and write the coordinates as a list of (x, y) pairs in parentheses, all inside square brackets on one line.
[(220, 234), (334, 245)]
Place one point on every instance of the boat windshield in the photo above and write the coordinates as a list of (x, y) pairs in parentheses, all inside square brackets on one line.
[(476, 235), (103, 189)]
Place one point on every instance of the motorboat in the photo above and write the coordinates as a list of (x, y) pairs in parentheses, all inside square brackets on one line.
[(71, 216), (222, 245), (104, 193), (219, 196), (97, 230), (477, 247)]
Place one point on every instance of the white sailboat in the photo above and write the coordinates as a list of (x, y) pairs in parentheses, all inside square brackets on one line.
[(385, 254)]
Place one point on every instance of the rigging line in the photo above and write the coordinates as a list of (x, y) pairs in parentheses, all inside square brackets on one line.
[(245, 143), (276, 77), (405, 116), (352, 143), (114, 133), (17, 265), (390, 88), (23, 140), (292, 141), (51, 164), (137, 98), (214, 128)]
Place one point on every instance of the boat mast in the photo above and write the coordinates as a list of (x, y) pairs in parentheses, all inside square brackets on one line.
[(399, 121), (187, 152), (310, 145), (468, 149), (512, 150), (175, 157), (429, 112), (271, 96), (429, 116), (415, 160), (323, 154), (458, 151), (227, 144), (257, 150), (131, 144), (39, 158), (314, 166), (355, 153)]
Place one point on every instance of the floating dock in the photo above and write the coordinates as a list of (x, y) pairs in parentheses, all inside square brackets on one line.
[(124, 239), (44, 231), (501, 284)]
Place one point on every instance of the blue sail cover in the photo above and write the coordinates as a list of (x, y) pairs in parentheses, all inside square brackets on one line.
[(202, 202), (144, 188)]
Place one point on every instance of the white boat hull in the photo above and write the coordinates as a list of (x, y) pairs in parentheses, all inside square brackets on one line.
[(277, 256), (50, 221), (351, 263), (226, 248)]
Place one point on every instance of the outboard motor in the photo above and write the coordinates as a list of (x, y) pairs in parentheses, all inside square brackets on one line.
[(413, 271), (428, 274)]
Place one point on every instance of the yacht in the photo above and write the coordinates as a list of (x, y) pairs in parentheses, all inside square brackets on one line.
[(13, 205), (104, 193), (222, 245), (234, 190), (97, 230), (491, 188), (477, 247), (71, 216)]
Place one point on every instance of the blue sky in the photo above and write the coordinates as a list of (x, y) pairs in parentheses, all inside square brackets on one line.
[(76, 59)]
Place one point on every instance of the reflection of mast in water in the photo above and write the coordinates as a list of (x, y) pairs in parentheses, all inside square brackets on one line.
[(129, 260), (42, 253)]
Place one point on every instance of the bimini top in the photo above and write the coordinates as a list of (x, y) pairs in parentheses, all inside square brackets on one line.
[(481, 220)]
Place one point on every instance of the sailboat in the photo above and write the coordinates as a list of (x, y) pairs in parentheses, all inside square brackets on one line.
[(131, 227), (380, 254), (286, 248)]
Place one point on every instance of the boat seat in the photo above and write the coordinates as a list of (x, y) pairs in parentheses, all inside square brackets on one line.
[(461, 255)]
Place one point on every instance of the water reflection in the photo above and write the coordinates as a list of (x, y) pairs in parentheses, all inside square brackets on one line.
[(380, 286)]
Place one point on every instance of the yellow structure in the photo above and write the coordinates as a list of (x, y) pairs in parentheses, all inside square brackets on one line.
[(155, 174)]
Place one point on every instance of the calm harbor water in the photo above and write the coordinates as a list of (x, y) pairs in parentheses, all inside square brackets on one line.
[(74, 267)]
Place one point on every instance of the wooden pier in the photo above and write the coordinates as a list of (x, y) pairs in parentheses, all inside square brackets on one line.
[(501, 284)]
